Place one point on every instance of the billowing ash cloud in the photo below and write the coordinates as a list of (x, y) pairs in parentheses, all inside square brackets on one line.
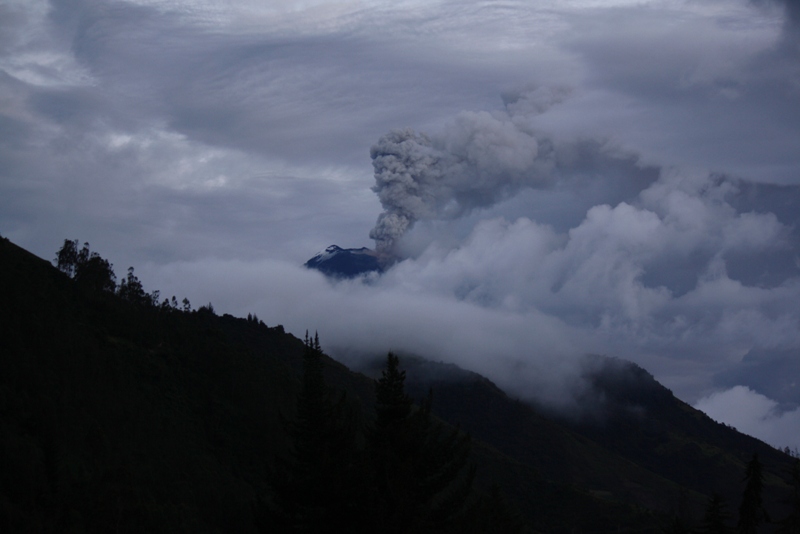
[(578, 238), (479, 159), (172, 135), (524, 250), (406, 171)]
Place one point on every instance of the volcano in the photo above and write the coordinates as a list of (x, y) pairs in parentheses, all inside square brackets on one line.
[(337, 262)]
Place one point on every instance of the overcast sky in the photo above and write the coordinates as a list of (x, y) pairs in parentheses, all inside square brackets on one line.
[(558, 178)]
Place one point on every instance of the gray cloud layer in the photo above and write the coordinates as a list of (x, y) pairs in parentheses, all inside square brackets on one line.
[(618, 177)]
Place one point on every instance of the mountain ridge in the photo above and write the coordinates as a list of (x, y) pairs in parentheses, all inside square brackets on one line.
[(652, 443), (106, 406)]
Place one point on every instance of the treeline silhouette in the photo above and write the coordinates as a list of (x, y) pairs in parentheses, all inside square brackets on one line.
[(124, 412), (403, 472), (94, 273), (752, 514)]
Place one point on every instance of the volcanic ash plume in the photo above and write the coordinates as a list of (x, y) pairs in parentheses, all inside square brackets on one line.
[(407, 171), (479, 160)]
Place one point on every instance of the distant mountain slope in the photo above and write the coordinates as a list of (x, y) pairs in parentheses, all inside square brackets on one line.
[(116, 417), (120, 418), (642, 446), (340, 262)]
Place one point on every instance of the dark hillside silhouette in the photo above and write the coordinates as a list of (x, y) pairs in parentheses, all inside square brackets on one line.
[(662, 455), (120, 414)]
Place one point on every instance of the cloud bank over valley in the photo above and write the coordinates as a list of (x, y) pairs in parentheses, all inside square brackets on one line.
[(546, 180)]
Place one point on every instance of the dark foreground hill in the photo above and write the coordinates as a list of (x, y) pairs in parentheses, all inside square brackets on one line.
[(641, 446), (122, 417)]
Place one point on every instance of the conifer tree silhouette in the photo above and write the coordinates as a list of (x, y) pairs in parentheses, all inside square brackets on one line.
[(751, 510), (319, 487), (422, 475)]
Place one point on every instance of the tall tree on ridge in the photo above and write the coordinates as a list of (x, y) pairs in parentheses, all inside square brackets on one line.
[(751, 510), (319, 487), (422, 476), (89, 270)]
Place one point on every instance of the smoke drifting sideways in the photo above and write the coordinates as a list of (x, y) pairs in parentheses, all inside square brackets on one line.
[(480, 159), (518, 251), (579, 240)]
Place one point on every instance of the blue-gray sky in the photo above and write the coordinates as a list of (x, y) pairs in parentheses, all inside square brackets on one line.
[(570, 177)]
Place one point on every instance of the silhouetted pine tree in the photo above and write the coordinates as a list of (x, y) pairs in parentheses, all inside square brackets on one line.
[(321, 486), (751, 511), (392, 404), (421, 473)]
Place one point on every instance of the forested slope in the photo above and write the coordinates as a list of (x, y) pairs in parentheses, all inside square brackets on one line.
[(119, 413)]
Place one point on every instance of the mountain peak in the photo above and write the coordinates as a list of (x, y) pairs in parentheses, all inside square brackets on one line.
[(338, 262)]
